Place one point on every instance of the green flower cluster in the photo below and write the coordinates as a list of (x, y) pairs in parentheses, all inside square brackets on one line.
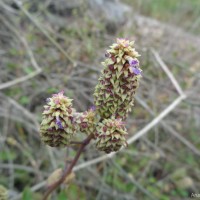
[(57, 126), (111, 135), (113, 99)]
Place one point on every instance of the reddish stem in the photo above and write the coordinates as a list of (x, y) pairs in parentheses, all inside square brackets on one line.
[(68, 170)]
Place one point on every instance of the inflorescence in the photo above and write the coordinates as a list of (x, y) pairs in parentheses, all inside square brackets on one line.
[(113, 100)]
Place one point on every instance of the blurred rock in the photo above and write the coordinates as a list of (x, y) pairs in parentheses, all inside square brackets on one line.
[(112, 13), (184, 183), (112, 10), (64, 7), (181, 179), (179, 173)]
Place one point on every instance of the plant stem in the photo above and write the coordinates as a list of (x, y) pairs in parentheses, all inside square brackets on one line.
[(76, 142), (69, 169)]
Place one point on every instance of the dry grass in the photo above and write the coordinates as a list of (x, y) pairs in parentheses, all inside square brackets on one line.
[(40, 56)]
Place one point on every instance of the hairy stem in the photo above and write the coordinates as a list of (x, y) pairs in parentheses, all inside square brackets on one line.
[(67, 169)]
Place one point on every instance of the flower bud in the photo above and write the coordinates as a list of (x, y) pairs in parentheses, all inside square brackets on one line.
[(110, 135), (86, 121), (57, 126)]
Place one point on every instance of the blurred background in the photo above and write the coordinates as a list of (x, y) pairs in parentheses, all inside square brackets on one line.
[(47, 46)]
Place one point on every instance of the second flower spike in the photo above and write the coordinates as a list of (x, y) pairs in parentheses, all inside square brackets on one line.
[(114, 93)]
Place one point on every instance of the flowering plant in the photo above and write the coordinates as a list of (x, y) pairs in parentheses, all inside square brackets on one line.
[(104, 122)]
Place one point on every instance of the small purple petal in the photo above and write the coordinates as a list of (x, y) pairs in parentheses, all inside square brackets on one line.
[(136, 70), (58, 122), (133, 62), (93, 108)]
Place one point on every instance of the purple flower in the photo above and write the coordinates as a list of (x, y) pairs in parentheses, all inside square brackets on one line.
[(133, 62), (58, 122), (136, 70), (93, 108)]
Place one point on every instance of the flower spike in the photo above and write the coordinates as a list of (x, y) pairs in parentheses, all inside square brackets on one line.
[(57, 126), (114, 93)]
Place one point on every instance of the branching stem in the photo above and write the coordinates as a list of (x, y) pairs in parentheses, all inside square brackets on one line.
[(67, 169)]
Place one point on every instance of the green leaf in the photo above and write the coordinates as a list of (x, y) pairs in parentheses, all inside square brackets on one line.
[(14, 52), (28, 70), (62, 196), (24, 100), (27, 194), (11, 65), (5, 155), (52, 90)]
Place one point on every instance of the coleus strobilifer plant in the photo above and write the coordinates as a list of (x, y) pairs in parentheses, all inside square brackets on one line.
[(104, 122)]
